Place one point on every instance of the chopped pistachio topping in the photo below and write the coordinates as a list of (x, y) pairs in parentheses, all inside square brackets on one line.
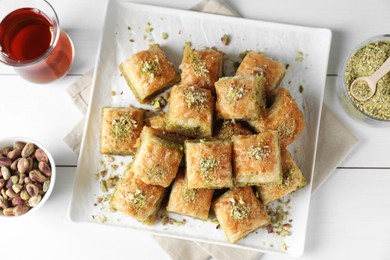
[(285, 130), (122, 128), (151, 68), (194, 98), (197, 65), (259, 152), (207, 168), (188, 195), (239, 210), (157, 172), (137, 199), (235, 93)]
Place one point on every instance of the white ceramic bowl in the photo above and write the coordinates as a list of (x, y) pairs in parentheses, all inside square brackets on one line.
[(8, 142)]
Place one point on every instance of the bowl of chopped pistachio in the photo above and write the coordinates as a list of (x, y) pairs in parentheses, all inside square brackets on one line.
[(364, 60), (27, 176)]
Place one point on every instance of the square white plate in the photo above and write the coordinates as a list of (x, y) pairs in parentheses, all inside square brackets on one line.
[(304, 49)]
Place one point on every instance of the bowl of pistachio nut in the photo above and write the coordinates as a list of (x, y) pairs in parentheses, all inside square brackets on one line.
[(27, 176), (368, 105)]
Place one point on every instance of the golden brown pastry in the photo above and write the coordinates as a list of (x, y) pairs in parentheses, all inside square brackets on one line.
[(292, 181), (137, 199), (190, 111), (157, 159), (255, 63), (285, 117), (148, 73), (209, 164), (201, 67), (239, 213), (240, 97), (257, 159), (190, 202), (121, 128)]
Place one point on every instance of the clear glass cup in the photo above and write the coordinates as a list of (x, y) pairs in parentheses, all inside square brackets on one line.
[(32, 41), (347, 101)]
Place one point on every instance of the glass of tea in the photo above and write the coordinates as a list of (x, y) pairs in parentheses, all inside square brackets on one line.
[(32, 41)]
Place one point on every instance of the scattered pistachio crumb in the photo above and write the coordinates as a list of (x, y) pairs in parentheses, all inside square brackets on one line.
[(300, 56), (128, 28), (167, 220), (301, 89), (149, 29), (102, 218), (225, 39), (103, 173), (164, 36), (110, 158), (284, 247), (103, 186), (131, 40)]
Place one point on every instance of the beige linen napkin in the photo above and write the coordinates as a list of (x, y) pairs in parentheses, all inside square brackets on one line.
[(329, 156)]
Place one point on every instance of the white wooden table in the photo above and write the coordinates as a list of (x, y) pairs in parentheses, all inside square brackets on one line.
[(349, 216)]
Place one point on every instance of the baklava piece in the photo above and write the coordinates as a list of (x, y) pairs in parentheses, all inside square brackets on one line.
[(190, 111), (195, 203), (228, 128), (148, 73), (285, 117), (201, 68), (137, 199), (257, 159), (121, 128), (157, 160), (292, 181), (239, 213), (209, 164), (255, 63), (240, 97)]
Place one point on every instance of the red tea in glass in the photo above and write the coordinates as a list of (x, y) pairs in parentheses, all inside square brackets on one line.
[(32, 42)]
